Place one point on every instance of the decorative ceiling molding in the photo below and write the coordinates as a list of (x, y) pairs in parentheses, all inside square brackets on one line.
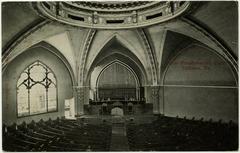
[(86, 47), (152, 49), (161, 50), (111, 15), (150, 54)]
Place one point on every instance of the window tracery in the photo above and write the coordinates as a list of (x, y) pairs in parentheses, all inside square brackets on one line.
[(36, 90)]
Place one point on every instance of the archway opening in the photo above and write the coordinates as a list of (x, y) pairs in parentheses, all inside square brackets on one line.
[(116, 74), (117, 81)]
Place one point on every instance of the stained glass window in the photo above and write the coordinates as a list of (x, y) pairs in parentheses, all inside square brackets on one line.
[(36, 90)]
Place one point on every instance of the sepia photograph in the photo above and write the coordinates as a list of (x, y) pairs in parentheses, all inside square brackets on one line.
[(111, 76)]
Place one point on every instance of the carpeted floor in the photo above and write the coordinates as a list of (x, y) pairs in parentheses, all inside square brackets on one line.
[(119, 140)]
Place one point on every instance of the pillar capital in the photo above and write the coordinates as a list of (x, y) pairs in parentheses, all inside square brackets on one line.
[(79, 87)]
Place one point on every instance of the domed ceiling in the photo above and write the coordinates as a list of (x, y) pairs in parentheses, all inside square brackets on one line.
[(111, 14)]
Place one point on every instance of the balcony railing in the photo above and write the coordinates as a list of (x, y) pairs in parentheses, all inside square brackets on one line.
[(119, 18)]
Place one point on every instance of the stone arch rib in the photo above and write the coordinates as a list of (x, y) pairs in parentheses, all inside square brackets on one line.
[(150, 54), (87, 44), (226, 51), (10, 47)]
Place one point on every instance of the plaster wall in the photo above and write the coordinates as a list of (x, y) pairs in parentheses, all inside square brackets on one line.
[(13, 71), (198, 83)]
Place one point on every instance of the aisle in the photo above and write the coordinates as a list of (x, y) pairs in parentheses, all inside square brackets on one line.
[(119, 140)]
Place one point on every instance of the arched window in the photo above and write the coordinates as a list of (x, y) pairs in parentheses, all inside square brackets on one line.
[(36, 90)]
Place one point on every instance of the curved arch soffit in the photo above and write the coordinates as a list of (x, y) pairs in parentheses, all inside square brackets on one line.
[(21, 43), (140, 67), (81, 69), (181, 51), (122, 64), (48, 47), (122, 41), (12, 45), (208, 37), (150, 54), (62, 42)]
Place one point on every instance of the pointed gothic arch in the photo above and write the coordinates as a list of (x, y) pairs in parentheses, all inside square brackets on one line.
[(135, 84), (84, 71), (36, 90)]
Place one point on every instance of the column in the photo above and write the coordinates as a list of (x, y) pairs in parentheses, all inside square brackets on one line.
[(147, 94), (155, 91), (79, 94), (161, 99), (137, 93), (153, 95)]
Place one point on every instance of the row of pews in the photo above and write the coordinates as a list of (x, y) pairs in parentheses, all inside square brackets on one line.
[(177, 134), (56, 135)]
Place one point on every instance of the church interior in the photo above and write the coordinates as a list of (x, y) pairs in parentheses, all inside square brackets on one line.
[(120, 76)]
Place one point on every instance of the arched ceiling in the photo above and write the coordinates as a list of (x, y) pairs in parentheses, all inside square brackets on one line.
[(17, 18), (63, 44), (116, 51), (213, 24), (173, 43), (221, 19), (106, 41)]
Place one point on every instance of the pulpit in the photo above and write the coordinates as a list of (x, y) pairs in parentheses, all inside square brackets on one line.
[(117, 111)]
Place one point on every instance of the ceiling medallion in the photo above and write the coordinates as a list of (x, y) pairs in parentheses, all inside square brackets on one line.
[(113, 14)]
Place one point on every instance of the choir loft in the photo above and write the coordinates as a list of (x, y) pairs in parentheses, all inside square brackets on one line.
[(120, 76)]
